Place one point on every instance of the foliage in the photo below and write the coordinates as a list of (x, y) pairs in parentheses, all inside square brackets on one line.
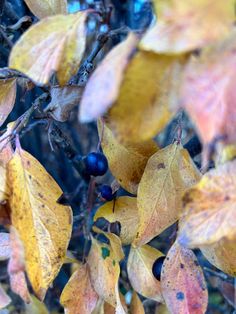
[(137, 86)]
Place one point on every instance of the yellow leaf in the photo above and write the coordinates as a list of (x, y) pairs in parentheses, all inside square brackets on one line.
[(136, 306), (43, 8), (55, 44), (182, 282), (105, 270), (126, 162), (7, 98), (126, 212), (103, 86), (161, 309), (139, 268), (210, 211), (146, 102), (36, 307), (115, 243), (168, 174), (78, 296), (222, 255), (184, 25), (44, 226)]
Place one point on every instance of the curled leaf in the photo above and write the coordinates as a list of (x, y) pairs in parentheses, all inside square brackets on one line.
[(103, 86), (168, 174), (140, 274), (182, 281), (55, 44), (126, 162), (184, 25), (43, 8), (78, 296), (39, 219), (125, 211), (210, 211), (7, 98), (63, 100), (144, 106)]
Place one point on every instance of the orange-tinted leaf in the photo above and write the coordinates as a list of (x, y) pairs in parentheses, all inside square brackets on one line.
[(168, 174), (126, 212), (208, 93), (43, 8), (140, 274), (222, 255), (19, 285), (136, 306), (7, 98), (182, 281), (55, 44), (16, 267), (5, 249), (145, 103), (105, 270), (126, 162), (64, 99), (102, 88), (184, 25), (210, 211), (39, 219), (78, 295), (4, 298)]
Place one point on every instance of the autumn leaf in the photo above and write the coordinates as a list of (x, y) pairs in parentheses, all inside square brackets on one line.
[(78, 296), (4, 298), (5, 249), (55, 44), (36, 307), (16, 267), (103, 86), (39, 219), (63, 100), (168, 174), (184, 25), (105, 270), (210, 212), (222, 255), (182, 281), (139, 268), (43, 8), (136, 306), (208, 93), (125, 211), (126, 162), (7, 98), (144, 106)]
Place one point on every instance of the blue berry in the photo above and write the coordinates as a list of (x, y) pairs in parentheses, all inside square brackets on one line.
[(156, 268), (106, 192), (96, 164)]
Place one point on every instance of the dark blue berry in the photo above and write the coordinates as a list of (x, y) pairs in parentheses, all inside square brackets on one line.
[(96, 164), (106, 192), (156, 268)]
